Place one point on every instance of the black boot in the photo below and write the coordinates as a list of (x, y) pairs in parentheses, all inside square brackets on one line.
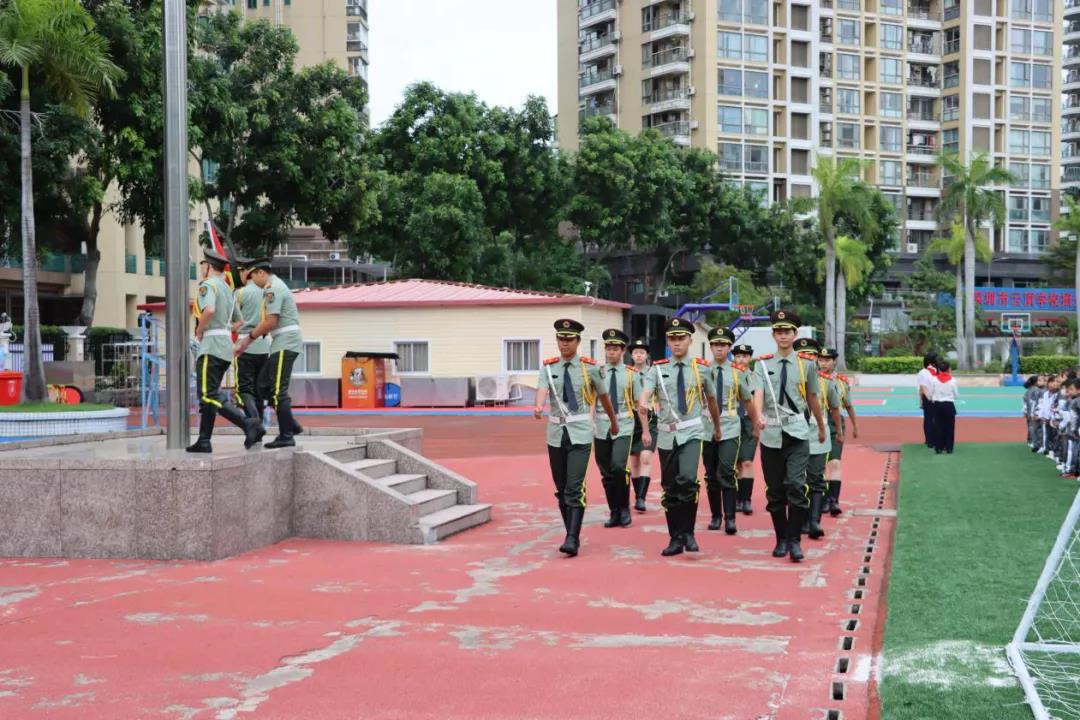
[(251, 406), (206, 430), (796, 518), (639, 503), (574, 516), (817, 501), (779, 522), (253, 429), (834, 498), (689, 520), (624, 504), (611, 494), (286, 425), (563, 510), (746, 490), (715, 502), (729, 495), (674, 527)]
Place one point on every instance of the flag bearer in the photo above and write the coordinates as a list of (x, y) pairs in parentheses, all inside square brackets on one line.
[(248, 364)]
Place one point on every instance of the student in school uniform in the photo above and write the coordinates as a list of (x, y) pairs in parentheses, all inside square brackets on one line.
[(943, 394), (924, 381)]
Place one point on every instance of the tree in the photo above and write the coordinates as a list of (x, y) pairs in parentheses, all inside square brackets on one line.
[(970, 199), (711, 277), (953, 249), (56, 40), (855, 268), (275, 147), (838, 187), (1069, 224)]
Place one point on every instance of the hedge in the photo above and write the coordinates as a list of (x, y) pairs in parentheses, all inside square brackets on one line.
[(902, 365), (1038, 364), (50, 335)]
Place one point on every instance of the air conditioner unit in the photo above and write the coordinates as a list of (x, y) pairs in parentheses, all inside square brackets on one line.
[(691, 53), (913, 248), (690, 91), (492, 388), (616, 36), (617, 71), (335, 256), (690, 16)]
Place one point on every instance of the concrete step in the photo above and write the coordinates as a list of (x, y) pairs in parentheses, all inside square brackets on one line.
[(444, 523), (349, 454), (432, 500), (406, 484), (373, 468)]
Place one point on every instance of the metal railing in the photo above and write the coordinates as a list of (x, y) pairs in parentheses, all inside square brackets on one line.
[(356, 46), (951, 13), (922, 81), (665, 57), (951, 81), (826, 37), (825, 107), (923, 12), (595, 78), (850, 144), (919, 215), (952, 46), (674, 129), (921, 149), (923, 46), (659, 96), (925, 180), (595, 43), (924, 115), (594, 110), (757, 167), (595, 8), (735, 165), (664, 21), (848, 5)]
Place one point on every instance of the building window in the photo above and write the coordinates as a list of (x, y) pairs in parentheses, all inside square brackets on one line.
[(952, 75), (1042, 43), (757, 158), (759, 188), (1040, 210), (730, 119), (890, 138), (1040, 109), (891, 71), (890, 172), (1020, 74), (731, 157), (1042, 10), (1017, 240), (847, 66), (252, 4), (730, 11), (521, 355), (891, 37), (1019, 107), (1020, 174), (757, 12), (1040, 76), (1018, 208), (309, 361), (757, 121), (892, 105), (847, 101), (951, 105), (825, 133), (413, 357), (730, 45), (849, 32), (730, 81), (950, 142), (892, 7), (847, 135), (1040, 144), (756, 48), (1020, 41), (1040, 176), (757, 84), (1018, 142)]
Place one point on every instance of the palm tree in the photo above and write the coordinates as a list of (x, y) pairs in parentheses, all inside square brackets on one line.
[(837, 189), (1069, 224), (971, 200), (56, 40), (855, 267), (953, 249)]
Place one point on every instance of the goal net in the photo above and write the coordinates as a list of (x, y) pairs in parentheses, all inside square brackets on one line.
[(1045, 651)]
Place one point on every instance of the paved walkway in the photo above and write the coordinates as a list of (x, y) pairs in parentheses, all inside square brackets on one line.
[(493, 623)]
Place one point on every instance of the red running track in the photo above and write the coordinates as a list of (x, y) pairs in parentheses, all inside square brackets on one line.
[(492, 624)]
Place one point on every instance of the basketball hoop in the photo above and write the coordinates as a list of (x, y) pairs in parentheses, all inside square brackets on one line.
[(746, 312)]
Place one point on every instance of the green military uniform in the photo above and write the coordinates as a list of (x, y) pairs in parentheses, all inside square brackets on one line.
[(613, 452), (286, 344), (785, 447), (214, 357), (747, 442), (720, 458), (641, 483), (682, 387), (248, 312), (819, 451), (842, 385), (573, 385)]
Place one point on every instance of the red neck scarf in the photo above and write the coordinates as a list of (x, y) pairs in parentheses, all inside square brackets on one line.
[(944, 376)]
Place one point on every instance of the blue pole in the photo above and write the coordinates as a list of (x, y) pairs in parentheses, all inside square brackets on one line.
[(1014, 352)]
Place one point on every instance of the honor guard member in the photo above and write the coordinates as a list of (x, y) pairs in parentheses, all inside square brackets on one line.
[(281, 322), (213, 309), (573, 384), (784, 405), (247, 314), (743, 354), (833, 469), (613, 449), (683, 387), (640, 453), (722, 457), (819, 451)]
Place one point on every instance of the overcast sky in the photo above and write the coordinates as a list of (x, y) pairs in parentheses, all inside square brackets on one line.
[(503, 50)]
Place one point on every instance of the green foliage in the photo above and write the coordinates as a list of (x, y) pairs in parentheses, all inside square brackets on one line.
[(927, 278), (712, 276), (901, 365), (1037, 364)]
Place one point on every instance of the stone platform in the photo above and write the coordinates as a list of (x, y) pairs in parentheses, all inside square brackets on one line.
[(125, 496)]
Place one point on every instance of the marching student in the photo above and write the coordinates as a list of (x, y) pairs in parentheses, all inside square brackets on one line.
[(943, 394)]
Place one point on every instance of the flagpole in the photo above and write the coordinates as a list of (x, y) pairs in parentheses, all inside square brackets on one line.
[(174, 27)]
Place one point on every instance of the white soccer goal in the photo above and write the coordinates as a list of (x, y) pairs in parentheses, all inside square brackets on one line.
[(1045, 651)]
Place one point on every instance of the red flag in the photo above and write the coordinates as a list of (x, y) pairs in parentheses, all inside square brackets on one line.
[(220, 250)]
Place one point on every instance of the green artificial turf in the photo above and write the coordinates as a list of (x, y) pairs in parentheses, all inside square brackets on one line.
[(52, 407), (973, 532)]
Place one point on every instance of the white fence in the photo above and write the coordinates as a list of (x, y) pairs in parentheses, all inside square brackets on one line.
[(15, 361)]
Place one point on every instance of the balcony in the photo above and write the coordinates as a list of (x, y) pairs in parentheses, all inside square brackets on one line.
[(921, 180), (952, 46), (916, 214), (922, 12), (667, 99), (731, 165), (598, 109), (825, 71), (1072, 174), (667, 25), (356, 9), (678, 131), (596, 12), (356, 46), (853, 5), (825, 107), (922, 45), (597, 82), (675, 59), (922, 115), (921, 149), (922, 81), (760, 166), (591, 46)]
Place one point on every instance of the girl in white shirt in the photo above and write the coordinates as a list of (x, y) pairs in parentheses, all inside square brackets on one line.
[(923, 380), (943, 394)]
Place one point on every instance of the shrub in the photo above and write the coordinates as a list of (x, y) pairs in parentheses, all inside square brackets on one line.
[(904, 365), (50, 335), (1037, 364)]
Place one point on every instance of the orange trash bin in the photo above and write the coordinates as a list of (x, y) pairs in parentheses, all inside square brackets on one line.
[(10, 387), (363, 380)]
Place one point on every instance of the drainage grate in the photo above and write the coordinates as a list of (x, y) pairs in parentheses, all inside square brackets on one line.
[(842, 665), (838, 691), (847, 643), (851, 625), (858, 595), (833, 715)]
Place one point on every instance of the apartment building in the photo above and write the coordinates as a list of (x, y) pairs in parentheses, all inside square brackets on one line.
[(769, 84), (1070, 146)]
